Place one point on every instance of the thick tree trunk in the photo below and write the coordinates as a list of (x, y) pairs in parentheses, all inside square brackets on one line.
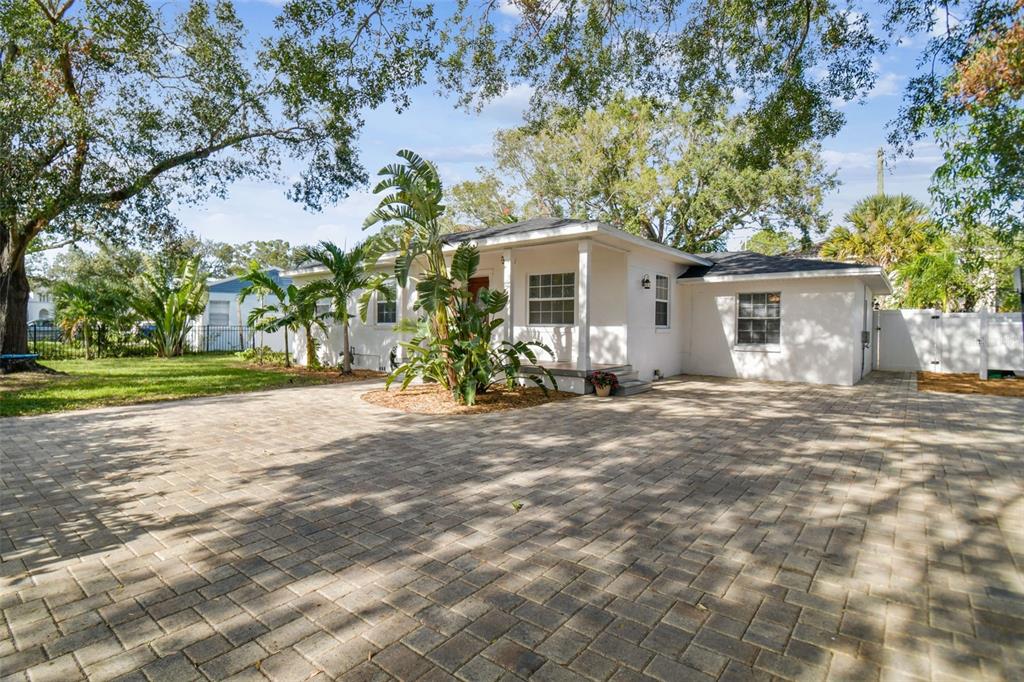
[(346, 363), (13, 300)]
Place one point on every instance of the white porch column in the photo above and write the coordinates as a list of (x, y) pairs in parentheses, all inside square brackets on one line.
[(509, 326), (583, 306), (400, 303)]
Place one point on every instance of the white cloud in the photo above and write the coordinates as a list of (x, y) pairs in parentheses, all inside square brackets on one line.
[(886, 85), (836, 159), (510, 106), (943, 21), (459, 153), (509, 8)]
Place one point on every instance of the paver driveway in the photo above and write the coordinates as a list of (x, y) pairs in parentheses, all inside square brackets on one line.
[(710, 528)]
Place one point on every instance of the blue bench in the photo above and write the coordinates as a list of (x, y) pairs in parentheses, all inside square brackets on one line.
[(11, 359)]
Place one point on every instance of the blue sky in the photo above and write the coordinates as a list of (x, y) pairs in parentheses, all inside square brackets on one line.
[(459, 142)]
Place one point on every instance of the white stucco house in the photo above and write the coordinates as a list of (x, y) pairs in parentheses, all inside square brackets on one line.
[(41, 305), (602, 298)]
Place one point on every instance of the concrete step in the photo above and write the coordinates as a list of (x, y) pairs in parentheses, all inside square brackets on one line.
[(559, 370), (632, 387)]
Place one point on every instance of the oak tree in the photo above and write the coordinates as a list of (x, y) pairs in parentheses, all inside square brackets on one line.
[(112, 112)]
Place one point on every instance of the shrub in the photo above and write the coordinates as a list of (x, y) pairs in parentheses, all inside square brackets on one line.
[(263, 355)]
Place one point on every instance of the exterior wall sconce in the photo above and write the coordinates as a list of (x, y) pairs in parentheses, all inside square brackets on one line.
[(645, 281)]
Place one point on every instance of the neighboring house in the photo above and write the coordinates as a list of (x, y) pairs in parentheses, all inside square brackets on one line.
[(602, 298), (41, 305), (220, 324)]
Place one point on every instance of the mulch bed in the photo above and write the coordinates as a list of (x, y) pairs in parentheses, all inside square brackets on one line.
[(433, 399), (331, 375), (969, 383)]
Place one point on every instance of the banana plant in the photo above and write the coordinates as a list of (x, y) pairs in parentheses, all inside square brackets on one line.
[(171, 295), (479, 362), (453, 343), (410, 210)]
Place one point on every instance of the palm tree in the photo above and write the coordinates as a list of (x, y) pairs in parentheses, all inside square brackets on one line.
[(885, 230), (410, 214), (350, 273), (171, 295), (76, 312), (294, 309)]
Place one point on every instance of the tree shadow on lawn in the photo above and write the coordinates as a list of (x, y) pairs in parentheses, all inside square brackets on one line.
[(766, 526)]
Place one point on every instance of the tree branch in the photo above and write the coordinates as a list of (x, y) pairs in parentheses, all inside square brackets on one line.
[(146, 179)]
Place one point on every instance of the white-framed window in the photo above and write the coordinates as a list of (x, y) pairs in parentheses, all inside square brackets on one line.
[(661, 301), (552, 298), (758, 319), (219, 314), (387, 311), (323, 308)]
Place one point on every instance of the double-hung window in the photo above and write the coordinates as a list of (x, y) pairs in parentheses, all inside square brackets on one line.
[(758, 319), (661, 301), (219, 313), (387, 311), (552, 298), (323, 309)]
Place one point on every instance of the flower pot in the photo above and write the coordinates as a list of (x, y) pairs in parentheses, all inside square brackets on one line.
[(603, 391)]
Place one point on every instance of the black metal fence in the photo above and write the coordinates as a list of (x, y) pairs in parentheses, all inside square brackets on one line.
[(52, 343), (210, 338)]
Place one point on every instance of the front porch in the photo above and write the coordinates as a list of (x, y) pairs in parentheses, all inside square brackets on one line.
[(573, 379), (570, 296)]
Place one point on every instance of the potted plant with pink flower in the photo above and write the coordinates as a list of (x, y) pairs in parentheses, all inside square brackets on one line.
[(603, 382)]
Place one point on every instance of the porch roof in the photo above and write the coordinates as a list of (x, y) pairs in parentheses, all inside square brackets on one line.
[(541, 230), (537, 231)]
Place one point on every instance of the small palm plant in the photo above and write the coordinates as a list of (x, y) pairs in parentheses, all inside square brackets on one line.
[(76, 312), (171, 295), (350, 273), (292, 308)]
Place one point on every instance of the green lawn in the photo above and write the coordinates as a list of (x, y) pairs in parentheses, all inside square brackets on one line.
[(123, 381)]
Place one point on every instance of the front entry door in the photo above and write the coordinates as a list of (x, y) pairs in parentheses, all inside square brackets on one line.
[(478, 283)]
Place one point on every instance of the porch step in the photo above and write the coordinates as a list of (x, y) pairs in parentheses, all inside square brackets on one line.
[(561, 370), (632, 387)]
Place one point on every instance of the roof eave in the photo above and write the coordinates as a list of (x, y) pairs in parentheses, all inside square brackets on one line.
[(583, 229), (541, 235), (874, 277)]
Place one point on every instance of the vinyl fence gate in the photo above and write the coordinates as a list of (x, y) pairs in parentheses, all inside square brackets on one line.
[(933, 341)]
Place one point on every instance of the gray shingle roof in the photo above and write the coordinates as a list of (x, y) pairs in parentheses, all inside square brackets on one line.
[(512, 228), (726, 263)]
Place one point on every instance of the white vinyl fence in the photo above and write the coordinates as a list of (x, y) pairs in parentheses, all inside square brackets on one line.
[(933, 341)]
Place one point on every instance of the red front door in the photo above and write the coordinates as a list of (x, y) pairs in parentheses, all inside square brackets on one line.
[(478, 283)]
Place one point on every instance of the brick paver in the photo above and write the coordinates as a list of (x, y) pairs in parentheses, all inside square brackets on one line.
[(707, 529)]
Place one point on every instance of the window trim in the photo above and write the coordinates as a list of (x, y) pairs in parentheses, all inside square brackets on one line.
[(377, 300), (226, 313), (667, 301), (575, 303), (737, 344)]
